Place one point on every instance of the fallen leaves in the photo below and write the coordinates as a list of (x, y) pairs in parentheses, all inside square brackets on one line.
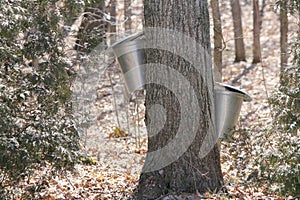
[(90, 182), (117, 133), (100, 178), (115, 173)]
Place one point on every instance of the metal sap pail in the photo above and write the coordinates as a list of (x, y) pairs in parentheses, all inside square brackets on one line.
[(130, 56), (228, 103)]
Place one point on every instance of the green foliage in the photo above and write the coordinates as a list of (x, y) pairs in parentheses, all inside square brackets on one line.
[(284, 152), (279, 162), (88, 160), (270, 156), (36, 125), (264, 157), (292, 6), (286, 100)]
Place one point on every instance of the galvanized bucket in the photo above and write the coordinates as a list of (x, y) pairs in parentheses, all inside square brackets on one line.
[(130, 56), (228, 103)]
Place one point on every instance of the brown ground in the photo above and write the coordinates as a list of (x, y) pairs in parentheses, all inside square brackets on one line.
[(120, 160)]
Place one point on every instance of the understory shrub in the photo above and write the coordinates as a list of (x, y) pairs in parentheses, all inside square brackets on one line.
[(36, 120), (279, 161), (269, 156)]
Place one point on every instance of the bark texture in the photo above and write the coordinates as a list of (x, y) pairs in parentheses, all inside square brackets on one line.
[(191, 172), (283, 33), (256, 33), (218, 39), (240, 54)]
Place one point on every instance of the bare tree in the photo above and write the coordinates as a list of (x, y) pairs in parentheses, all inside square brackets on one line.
[(113, 16), (127, 14), (283, 34), (191, 171), (262, 12), (240, 54), (256, 32), (218, 39), (299, 21)]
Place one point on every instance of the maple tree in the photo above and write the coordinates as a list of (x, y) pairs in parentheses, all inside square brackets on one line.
[(191, 171)]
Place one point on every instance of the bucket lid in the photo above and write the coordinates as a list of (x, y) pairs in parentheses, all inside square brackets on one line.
[(126, 39), (246, 97)]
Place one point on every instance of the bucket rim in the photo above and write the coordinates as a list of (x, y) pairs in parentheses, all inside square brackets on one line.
[(229, 93), (129, 38), (235, 90), (129, 43), (241, 94)]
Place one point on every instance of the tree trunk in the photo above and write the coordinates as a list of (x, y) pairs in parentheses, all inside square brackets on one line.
[(256, 33), (127, 13), (262, 13), (113, 16), (218, 40), (182, 152), (112, 28), (283, 34), (240, 54), (299, 22)]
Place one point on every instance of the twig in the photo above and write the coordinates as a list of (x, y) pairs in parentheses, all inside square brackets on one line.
[(114, 99), (135, 131), (138, 123), (127, 116), (196, 169), (70, 182), (264, 79)]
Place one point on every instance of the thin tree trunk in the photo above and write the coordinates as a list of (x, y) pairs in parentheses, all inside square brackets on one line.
[(127, 13), (174, 163), (299, 23), (240, 54), (262, 13), (112, 28), (256, 33), (283, 34), (113, 15), (218, 40)]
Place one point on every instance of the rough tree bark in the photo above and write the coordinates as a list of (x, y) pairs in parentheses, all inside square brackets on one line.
[(240, 54), (283, 34), (256, 33), (218, 39), (191, 171)]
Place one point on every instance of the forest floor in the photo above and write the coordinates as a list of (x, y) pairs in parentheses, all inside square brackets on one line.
[(119, 160)]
